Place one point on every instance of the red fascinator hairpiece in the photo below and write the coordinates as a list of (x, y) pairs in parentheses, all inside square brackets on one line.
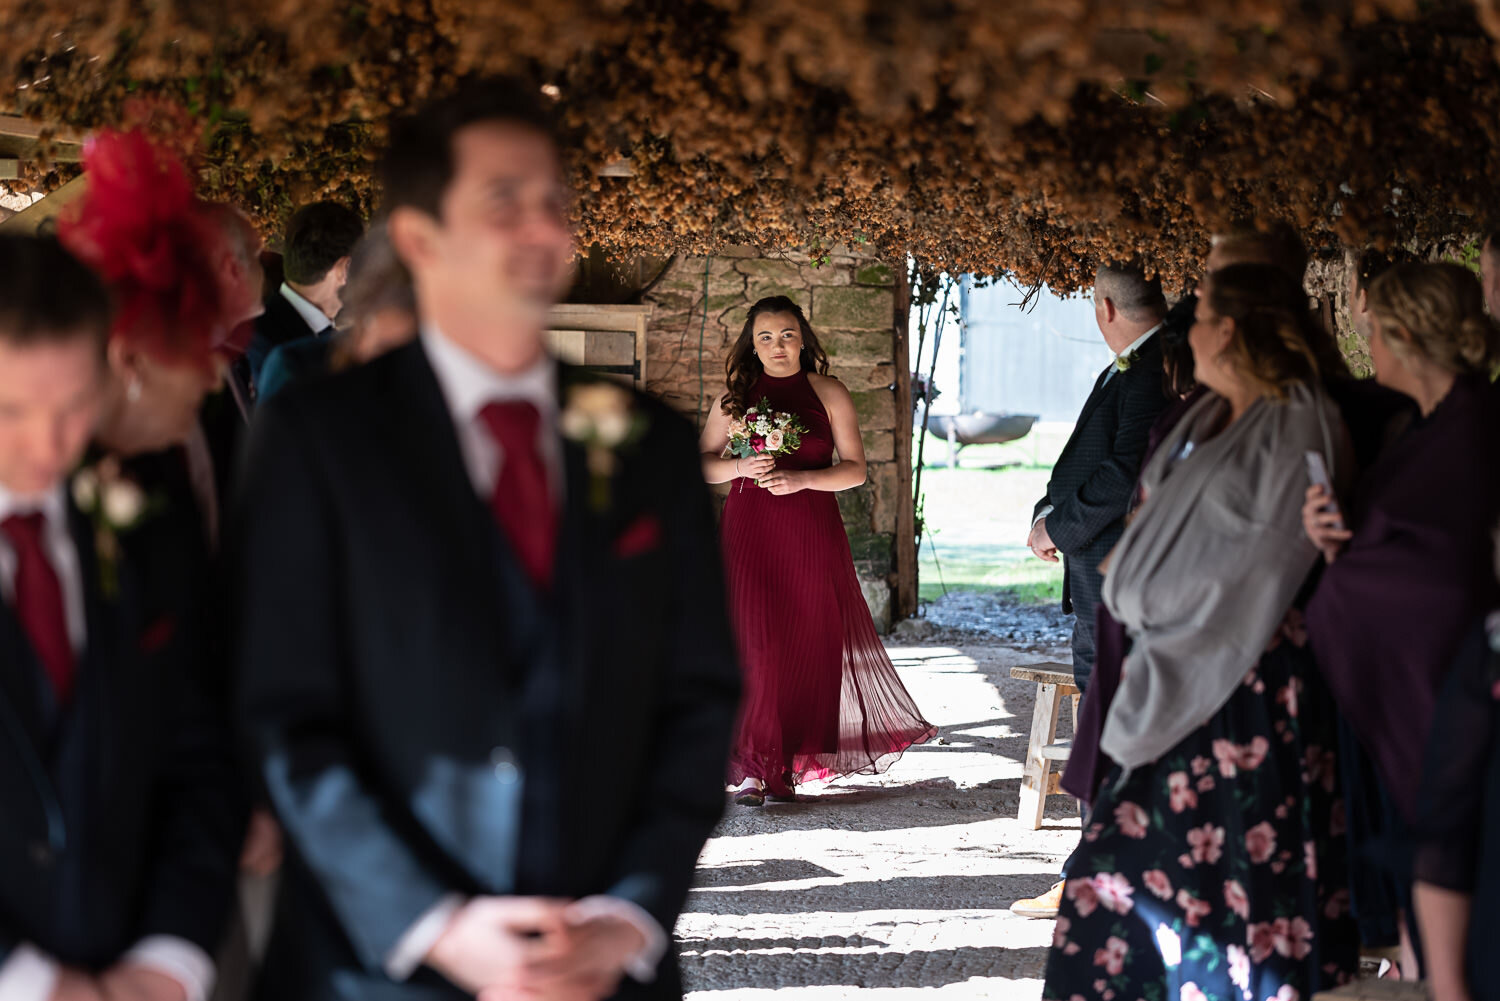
[(139, 226)]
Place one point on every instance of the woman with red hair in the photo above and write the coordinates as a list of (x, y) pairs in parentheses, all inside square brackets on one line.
[(141, 229)]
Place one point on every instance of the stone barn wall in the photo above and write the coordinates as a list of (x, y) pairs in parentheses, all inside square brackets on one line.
[(852, 302)]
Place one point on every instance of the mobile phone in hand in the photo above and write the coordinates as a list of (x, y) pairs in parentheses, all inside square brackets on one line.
[(1317, 471)]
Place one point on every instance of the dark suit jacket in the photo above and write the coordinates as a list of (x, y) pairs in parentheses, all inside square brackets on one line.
[(383, 676), (291, 362), (121, 813), (1094, 478), (279, 324)]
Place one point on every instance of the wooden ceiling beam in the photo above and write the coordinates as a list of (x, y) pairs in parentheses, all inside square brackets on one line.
[(23, 128), (28, 219)]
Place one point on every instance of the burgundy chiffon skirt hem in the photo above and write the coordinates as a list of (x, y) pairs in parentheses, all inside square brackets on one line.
[(822, 698)]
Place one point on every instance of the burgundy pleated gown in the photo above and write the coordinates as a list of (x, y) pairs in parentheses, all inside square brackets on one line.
[(822, 698)]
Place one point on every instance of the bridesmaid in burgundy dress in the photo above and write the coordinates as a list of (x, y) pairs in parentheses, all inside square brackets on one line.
[(822, 698)]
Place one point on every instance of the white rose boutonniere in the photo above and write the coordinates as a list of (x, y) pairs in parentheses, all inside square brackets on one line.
[(1123, 363), (113, 504), (602, 417)]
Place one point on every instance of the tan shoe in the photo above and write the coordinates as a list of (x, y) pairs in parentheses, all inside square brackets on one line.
[(1044, 906)]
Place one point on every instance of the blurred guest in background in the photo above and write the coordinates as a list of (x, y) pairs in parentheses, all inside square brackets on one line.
[(315, 262), (378, 314), (1409, 560), (1215, 825), (118, 887), (1457, 831)]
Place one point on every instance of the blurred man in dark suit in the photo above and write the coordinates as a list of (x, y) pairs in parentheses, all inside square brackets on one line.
[(116, 778), (315, 264), (483, 657)]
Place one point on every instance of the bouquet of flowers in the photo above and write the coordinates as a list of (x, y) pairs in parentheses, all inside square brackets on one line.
[(763, 431)]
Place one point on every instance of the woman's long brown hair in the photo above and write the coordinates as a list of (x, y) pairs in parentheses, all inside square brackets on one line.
[(1278, 342), (743, 367)]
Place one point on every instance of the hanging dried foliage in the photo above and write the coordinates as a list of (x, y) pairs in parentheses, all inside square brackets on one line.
[(1033, 137)]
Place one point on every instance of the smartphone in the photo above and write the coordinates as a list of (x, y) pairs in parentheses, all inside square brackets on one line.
[(1317, 471)]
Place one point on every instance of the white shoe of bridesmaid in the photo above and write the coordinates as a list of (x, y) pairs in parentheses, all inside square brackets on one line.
[(751, 792)]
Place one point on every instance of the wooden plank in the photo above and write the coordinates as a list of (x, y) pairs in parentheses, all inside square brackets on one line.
[(23, 128), (906, 513), (1058, 751), (1051, 666), (28, 219), (593, 347), (1047, 674), (567, 345), (640, 349), (579, 316), (1037, 782), (601, 336)]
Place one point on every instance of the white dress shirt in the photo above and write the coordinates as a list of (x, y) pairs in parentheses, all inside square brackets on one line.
[(317, 321), (1134, 346), (1109, 374), (468, 384), (28, 973)]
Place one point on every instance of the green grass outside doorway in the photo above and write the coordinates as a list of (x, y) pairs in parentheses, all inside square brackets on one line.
[(978, 515)]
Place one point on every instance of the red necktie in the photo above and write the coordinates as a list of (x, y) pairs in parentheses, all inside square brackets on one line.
[(522, 501), (39, 601)]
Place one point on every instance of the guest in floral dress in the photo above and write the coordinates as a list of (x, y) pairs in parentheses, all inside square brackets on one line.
[(1211, 867)]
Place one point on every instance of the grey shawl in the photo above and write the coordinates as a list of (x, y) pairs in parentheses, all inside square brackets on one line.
[(1204, 575)]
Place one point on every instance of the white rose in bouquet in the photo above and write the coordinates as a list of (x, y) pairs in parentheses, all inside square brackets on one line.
[(775, 440)]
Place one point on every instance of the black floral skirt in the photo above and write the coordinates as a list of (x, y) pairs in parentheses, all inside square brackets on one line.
[(1218, 873)]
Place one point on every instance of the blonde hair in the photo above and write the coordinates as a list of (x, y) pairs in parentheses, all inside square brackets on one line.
[(1440, 307)]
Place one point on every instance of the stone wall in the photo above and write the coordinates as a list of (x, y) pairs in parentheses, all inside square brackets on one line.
[(1328, 281), (700, 306)]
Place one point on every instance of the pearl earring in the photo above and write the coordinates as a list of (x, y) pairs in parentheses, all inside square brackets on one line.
[(133, 390)]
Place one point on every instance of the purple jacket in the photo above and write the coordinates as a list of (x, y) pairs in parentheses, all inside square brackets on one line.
[(1390, 613)]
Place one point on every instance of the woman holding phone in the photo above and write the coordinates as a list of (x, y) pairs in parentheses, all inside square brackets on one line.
[(1209, 866), (1409, 559)]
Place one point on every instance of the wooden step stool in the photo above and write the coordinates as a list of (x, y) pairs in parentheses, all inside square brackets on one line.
[(1038, 781)]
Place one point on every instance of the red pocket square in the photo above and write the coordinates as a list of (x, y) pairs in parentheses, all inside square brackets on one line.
[(642, 536)]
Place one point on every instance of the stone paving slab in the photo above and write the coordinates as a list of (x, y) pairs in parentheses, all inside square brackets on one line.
[(891, 886)]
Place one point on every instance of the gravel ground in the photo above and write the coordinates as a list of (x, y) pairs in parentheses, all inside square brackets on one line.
[(881, 886), (981, 617)]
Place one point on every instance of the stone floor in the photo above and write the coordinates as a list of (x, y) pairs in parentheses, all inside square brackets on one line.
[(877, 887)]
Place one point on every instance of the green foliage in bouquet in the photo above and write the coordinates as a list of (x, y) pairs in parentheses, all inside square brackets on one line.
[(763, 431)]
